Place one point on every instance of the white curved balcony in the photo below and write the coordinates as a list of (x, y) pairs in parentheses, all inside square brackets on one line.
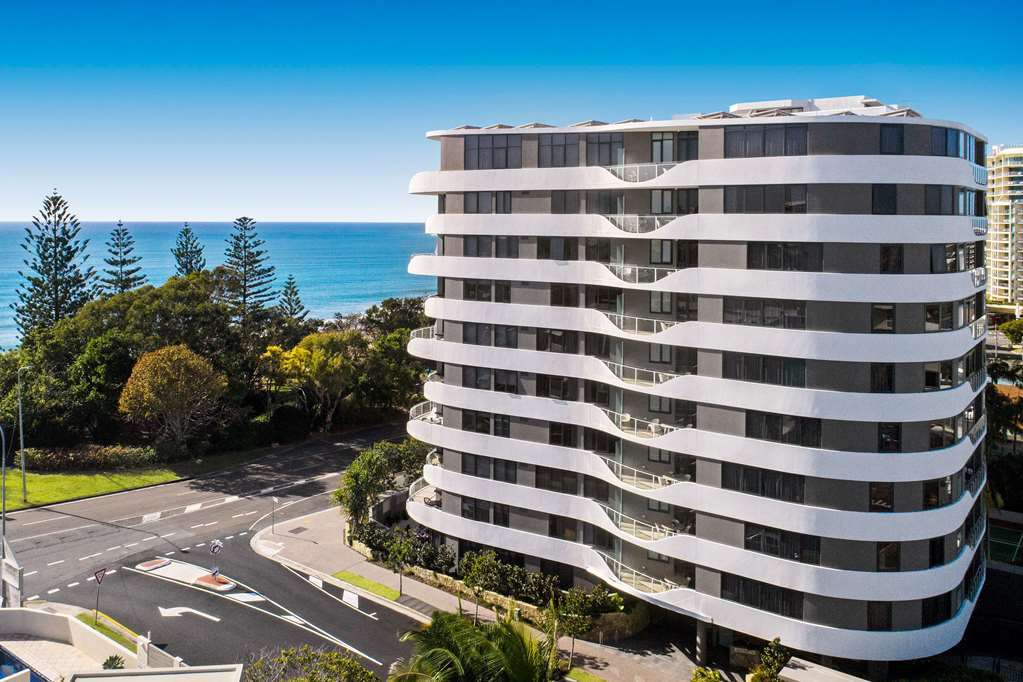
[(805, 402), (639, 325), (980, 226), (799, 170), (678, 543), (640, 172), (800, 286), (424, 333), (824, 640), (636, 579), (427, 411), (740, 227), (794, 343), (821, 462)]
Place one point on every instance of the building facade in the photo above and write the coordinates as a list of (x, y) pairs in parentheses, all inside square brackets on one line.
[(1005, 222), (731, 364)]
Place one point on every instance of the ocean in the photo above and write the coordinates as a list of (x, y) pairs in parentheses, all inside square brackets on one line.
[(339, 267)]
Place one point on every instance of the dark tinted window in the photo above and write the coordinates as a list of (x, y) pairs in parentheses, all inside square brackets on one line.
[(884, 199), (892, 137)]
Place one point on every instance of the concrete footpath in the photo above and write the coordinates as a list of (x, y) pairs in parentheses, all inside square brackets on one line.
[(313, 544)]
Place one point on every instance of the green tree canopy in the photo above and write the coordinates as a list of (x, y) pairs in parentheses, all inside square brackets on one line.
[(305, 664), (290, 303), (122, 271), (188, 253), (175, 392), (250, 276), (392, 314), (57, 280), (1013, 330)]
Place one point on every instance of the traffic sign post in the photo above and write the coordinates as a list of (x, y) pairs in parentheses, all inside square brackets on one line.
[(98, 575), (216, 547), (273, 517)]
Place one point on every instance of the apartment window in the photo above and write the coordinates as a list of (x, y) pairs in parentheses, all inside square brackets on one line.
[(476, 422), (762, 482), (477, 289), (662, 147), (563, 528), (557, 341), (557, 387), (598, 250), (658, 506), (507, 247), (442, 204), (599, 442), (565, 295), (938, 317), (882, 377), (502, 202), (502, 515), (557, 248), (783, 428), (493, 151), (506, 381), (660, 405), (661, 201), (660, 251), (884, 199), (479, 202), (795, 140), (559, 150), (660, 353), (892, 137), (561, 434), (934, 610), (660, 302), (688, 146), (557, 480), (936, 552), (688, 253), (879, 616), (889, 437), (502, 292), (476, 247), (782, 543), (765, 312), (687, 201), (794, 256), (771, 598), (761, 140), (686, 307), (881, 497), (938, 375), (505, 471), (658, 455), (506, 336), (476, 510), (605, 149), (605, 202), (765, 199), (939, 199), (891, 259), (764, 369), (888, 556), (475, 465), (476, 377), (476, 334), (502, 425), (882, 318), (564, 201)]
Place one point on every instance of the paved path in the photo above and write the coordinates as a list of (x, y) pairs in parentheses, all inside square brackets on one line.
[(314, 544)]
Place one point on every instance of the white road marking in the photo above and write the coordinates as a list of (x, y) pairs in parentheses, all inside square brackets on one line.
[(175, 611), (73, 584), (52, 518), (54, 532), (229, 537), (54, 563), (168, 553), (198, 525), (167, 535), (186, 548), (112, 571), (90, 579), (55, 590), (90, 556), (33, 597), (201, 544), (244, 532), (111, 549), (130, 544), (211, 523), (152, 516), (29, 573), (235, 516), (193, 507)]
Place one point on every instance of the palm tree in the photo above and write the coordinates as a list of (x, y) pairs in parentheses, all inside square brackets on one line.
[(452, 649)]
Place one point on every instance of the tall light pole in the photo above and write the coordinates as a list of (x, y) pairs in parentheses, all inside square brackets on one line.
[(3, 494), (21, 437)]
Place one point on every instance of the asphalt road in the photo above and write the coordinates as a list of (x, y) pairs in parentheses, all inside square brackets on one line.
[(62, 546)]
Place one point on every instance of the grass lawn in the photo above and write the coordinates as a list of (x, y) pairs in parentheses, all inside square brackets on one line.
[(52, 487), (368, 585), (103, 629), (581, 675)]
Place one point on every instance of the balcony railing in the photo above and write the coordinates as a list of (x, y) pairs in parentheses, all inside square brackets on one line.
[(979, 276), (639, 224), (980, 226), (637, 478), (639, 172), (640, 530), (637, 427), (635, 579), (426, 411), (977, 531), (979, 327), (639, 325), (638, 375), (424, 332), (979, 174), (976, 580), (978, 429), (977, 379), (638, 274)]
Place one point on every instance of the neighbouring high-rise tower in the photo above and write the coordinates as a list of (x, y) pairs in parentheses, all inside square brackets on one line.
[(729, 363), (1005, 227)]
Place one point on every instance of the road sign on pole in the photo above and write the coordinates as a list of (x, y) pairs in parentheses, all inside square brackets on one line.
[(99, 575), (216, 546)]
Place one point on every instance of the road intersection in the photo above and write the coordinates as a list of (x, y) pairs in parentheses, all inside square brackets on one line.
[(62, 546)]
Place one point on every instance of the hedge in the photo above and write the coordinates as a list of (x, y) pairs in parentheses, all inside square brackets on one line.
[(91, 457)]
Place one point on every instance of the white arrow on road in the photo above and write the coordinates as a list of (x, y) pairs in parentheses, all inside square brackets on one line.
[(176, 611)]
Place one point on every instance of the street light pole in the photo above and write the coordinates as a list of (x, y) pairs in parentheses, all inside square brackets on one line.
[(3, 494), (21, 437)]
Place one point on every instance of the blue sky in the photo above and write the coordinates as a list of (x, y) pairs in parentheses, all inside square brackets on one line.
[(316, 110)]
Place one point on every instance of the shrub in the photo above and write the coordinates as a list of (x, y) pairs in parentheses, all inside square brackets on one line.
[(113, 662), (289, 424), (602, 600), (705, 675), (773, 658), (91, 457)]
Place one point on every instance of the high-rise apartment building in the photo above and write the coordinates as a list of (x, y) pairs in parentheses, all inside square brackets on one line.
[(1005, 227), (731, 364)]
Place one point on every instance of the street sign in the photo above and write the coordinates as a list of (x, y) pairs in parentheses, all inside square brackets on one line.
[(216, 546), (99, 575)]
